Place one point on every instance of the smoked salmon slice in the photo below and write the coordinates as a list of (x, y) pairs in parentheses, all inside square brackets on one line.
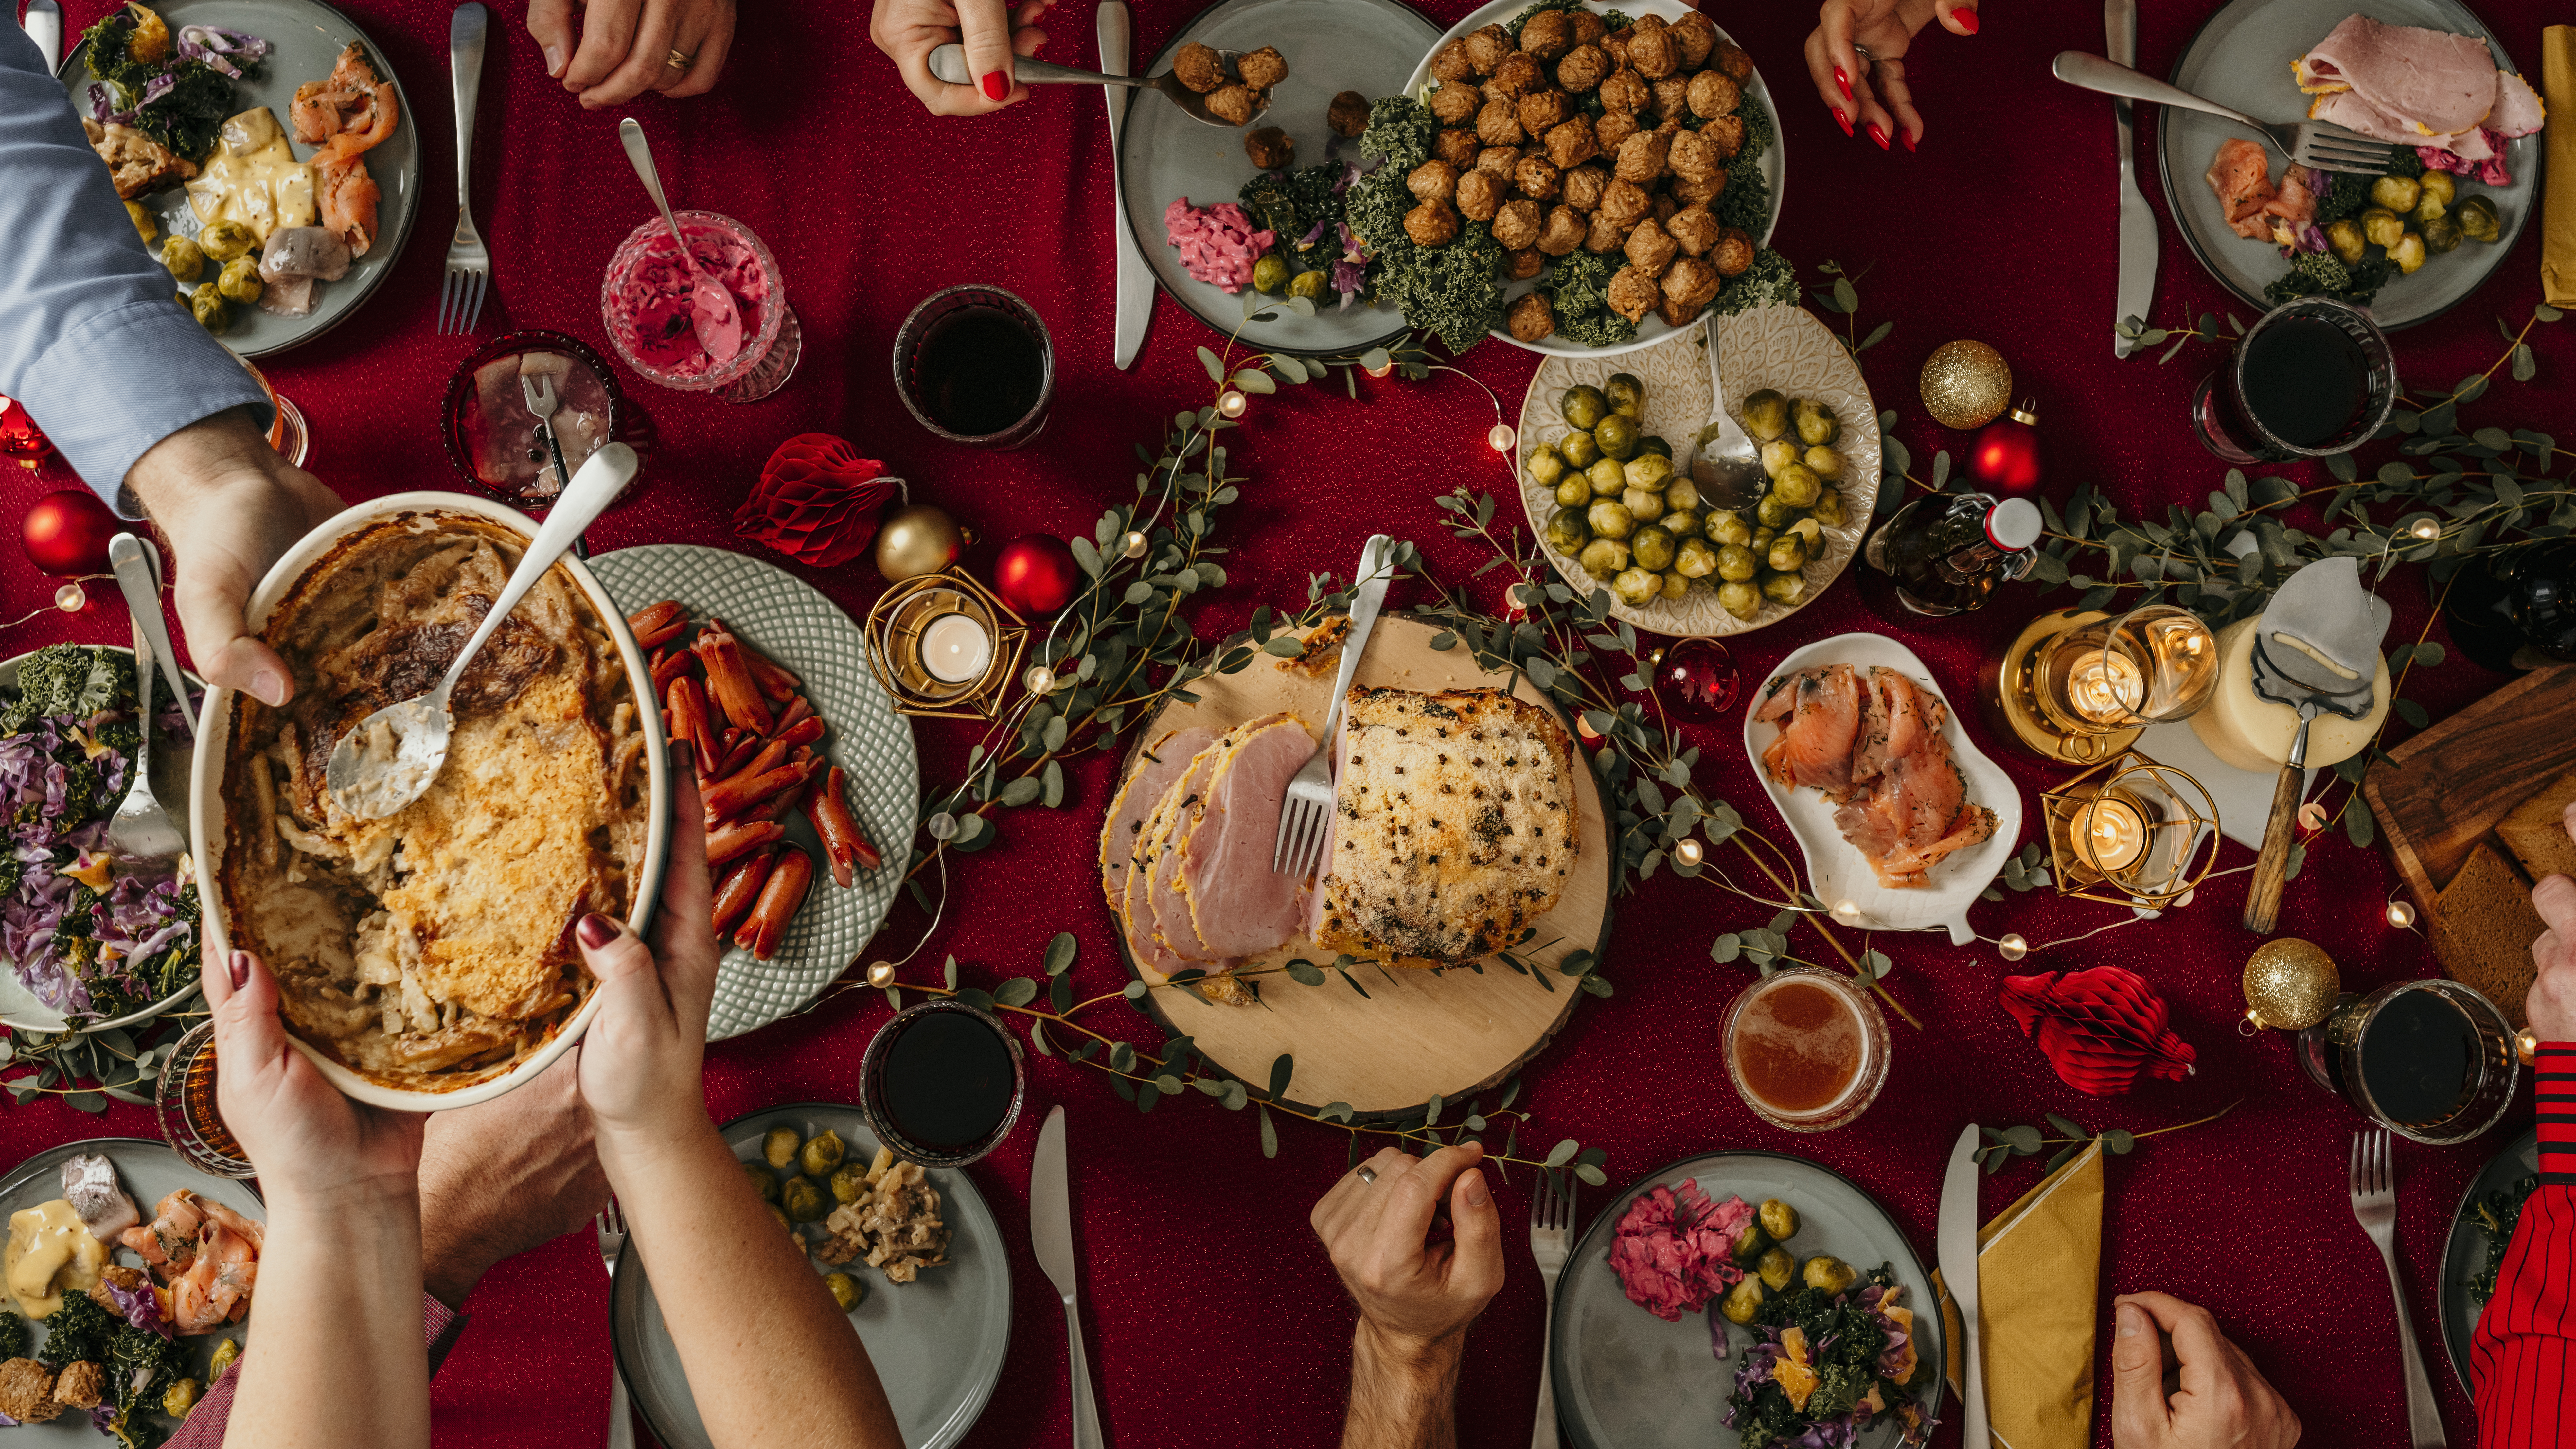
[(1873, 744), (2237, 175)]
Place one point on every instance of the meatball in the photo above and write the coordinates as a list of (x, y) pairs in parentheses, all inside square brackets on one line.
[(1605, 235), (1665, 206), (1733, 252), (1480, 192), (1583, 186), (1431, 224), (1563, 234), (1570, 142), (1724, 134), (1693, 230), (1531, 318), (1486, 49), (1625, 90), (1694, 158), (1690, 285), (1536, 178), (1613, 128), (1499, 160), (1546, 35), (1231, 104), (1642, 157), (1271, 149), (1516, 224), (1542, 111), (1521, 72), (1348, 114), (1499, 124), (1456, 103), (1200, 68), (1432, 181), (1585, 27), (1615, 44), (1623, 202), (1633, 294), (1697, 38), (1653, 48), (1457, 146), (1712, 94), (1649, 249), (1582, 68), (1261, 69), (1524, 264), (1732, 59), (1697, 193), (1449, 62), (1672, 96)]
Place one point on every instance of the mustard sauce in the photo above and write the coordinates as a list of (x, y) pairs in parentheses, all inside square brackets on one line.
[(51, 1252), (253, 178)]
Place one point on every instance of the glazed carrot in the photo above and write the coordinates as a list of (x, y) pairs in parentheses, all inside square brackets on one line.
[(730, 797), (805, 731), (775, 683), (829, 809), (780, 898), (658, 624), (731, 839), (689, 721), (740, 887), (796, 711), (729, 681), (668, 665)]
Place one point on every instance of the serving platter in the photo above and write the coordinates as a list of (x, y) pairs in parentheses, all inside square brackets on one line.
[(306, 37), (788, 620), (1626, 1379), (2464, 1251), (2241, 57), (937, 1344), (1414, 1033), (1780, 347), (1835, 869)]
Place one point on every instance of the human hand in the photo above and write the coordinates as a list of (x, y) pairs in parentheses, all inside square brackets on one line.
[(504, 1176), (641, 1058), (229, 506), (2551, 1004), (2222, 1402), (627, 46), (992, 32), (1412, 1291), (312, 1146), (1854, 89)]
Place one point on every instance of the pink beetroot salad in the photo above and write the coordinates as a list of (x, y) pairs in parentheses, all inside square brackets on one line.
[(648, 305), (1671, 1250), (1217, 242)]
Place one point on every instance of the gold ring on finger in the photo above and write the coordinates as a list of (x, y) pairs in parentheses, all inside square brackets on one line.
[(1367, 1174), (681, 61)]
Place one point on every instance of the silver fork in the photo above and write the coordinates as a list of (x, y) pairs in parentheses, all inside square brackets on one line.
[(1551, 1238), (1304, 817), (537, 389), (2374, 1206), (612, 1242), (2306, 143), (469, 265), (142, 829)]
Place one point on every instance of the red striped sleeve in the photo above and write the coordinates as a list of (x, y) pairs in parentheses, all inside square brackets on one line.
[(2523, 1355)]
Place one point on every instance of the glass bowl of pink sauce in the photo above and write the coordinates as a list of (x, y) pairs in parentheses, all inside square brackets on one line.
[(644, 302)]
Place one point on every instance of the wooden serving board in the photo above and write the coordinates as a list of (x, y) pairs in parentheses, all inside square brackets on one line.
[(1417, 1033), (2440, 793)]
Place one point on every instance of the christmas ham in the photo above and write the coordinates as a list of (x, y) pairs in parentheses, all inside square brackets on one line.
[(1164, 762), (1904, 803), (1239, 906), (2430, 89)]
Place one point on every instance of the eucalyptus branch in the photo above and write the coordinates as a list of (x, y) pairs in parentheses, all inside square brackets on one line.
[(2006, 1143), (2137, 331)]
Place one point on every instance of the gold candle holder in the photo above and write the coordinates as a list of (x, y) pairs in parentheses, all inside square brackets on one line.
[(944, 646), (2131, 832), (2079, 685)]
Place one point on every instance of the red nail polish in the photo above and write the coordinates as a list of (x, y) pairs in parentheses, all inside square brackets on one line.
[(596, 931), (1844, 81), (1967, 20), (1907, 137), (1842, 120), (1878, 133), (996, 85), (239, 966)]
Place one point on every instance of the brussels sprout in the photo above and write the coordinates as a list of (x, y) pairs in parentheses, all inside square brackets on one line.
[(2431, 208), (1269, 274), (1796, 486), (1827, 1272), (1777, 454), (1579, 449), (1766, 415), (227, 1353), (1776, 1270), (1817, 425), (1783, 588), (763, 1181), (1775, 511), (1625, 394), (179, 1398), (1574, 490), (183, 258), (1582, 406), (1643, 504), (1651, 443), (1676, 585), (849, 1182), (780, 1214), (1608, 477), (1610, 518), (1679, 522), (2381, 227), (2397, 193), (2477, 218), (1567, 533), (847, 1291), (212, 312), (1736, 563), (1651, 548), (1727, 528), (1748, 1244), (1603, 558), (779, 1147), (144, 225), (1788, 553), (1825, 463), (226, 240), (1617, 436), (804, 1200), (1545, 465), (1648, 470), (1681, 492), (1808, 530), (2441, 234), (2408, 254), (1694, 559), (1743, 1301), (1828, 508), (1636, 587), (240, 281), (1779, 1220), (1742, 600), (2345, 237), (822, 1154), (1309, 285), (2438, 186), (1762, 537)]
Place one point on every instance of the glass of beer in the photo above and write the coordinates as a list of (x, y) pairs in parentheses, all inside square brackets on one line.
[(2431, 1060), (184, 1101), (1807, 1048), (942, 1083)]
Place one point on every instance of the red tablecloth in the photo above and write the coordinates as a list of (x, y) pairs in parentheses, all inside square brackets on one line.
[(1213, 1318)]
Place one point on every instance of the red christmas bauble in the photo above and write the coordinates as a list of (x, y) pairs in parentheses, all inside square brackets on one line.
[(1036, 574), (2005, 458), (2102, 1029), (67, 532), (1696, 680), (20, 438)]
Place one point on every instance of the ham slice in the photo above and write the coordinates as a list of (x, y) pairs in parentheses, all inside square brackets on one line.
[(2436, 82), (1238, 905), (1160, 863), (1163, 762)]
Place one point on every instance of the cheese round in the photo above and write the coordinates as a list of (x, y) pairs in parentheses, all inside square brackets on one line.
[(2253, 733)]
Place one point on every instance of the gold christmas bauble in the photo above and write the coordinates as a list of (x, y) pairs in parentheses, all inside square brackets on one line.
[(1965, 384), (917, 539), (2290, 984)]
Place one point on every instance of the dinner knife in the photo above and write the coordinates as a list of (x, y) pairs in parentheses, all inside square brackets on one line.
[(1135, 279), (2137, 224), (45, 27), (1958, 1245), (1051, 1234)]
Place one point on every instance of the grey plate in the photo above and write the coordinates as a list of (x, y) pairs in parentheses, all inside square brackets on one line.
[(937, 1344), (150, 1171), (1626, 1379), (307, 37), (786, 619), (1368, 46), (2465, 1249), (2241, 58)]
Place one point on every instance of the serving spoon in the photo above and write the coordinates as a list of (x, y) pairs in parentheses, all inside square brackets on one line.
[(392, 756), (948, 62), (711, 310)]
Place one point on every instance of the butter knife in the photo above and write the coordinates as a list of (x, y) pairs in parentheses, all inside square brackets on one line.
[(1051, 1234), (1958, 1244), (45, 27), (1135, 279), (2137, 224)]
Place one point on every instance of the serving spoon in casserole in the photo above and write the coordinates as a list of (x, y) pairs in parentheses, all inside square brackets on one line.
[(393, 755)]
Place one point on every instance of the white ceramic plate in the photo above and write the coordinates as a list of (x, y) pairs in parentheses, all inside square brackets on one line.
[(150, 1171), (1331, 46), (2464, 1250), (2241, 58), (306, 39), (937, 1343), (215, 720), (1835, 870), (1626, 1379), (1773, 162), (1779, 347), (786, 619)]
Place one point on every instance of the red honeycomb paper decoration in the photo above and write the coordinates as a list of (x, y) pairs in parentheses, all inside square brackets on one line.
[(2100, 1028), (816, 501)]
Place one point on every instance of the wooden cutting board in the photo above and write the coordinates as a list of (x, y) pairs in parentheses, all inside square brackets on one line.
[(2440, 793), (1416, 1033)]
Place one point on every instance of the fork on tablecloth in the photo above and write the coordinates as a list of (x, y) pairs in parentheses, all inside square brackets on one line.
[(612, 1243), (2374, 1206), (469, 263), (1551, 1239)]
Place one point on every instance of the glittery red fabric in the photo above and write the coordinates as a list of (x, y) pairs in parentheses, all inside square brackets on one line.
[(1213, 1320)]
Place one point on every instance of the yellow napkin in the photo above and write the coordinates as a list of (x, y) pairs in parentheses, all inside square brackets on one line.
[(2558, 210), (2037, 1340)]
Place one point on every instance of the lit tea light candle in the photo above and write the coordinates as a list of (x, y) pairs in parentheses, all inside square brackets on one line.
[(955, 649), (2105, 687), (2115, 834)]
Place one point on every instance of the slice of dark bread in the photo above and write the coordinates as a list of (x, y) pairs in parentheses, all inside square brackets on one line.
[(2536, 830), (2483, 928)]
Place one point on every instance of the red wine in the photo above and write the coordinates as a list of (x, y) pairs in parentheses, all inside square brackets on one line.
[(2419, 1058), (979, 370), (2306, 381), (948, 1081)]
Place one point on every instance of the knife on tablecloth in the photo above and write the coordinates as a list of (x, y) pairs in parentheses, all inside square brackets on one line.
[(45, 27), (1958, 1244), (1051, 1233), (1135, 279), (2137, 224)]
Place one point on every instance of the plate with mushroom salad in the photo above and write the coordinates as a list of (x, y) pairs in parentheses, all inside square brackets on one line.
[(915, 1257), (1605, 450)]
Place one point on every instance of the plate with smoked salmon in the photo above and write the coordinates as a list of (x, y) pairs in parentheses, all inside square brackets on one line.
[(1896, 810)]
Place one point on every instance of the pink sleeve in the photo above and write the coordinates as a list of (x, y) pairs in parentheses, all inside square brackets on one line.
[(204, 1429)]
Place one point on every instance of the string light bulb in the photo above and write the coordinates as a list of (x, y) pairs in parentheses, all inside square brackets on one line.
[(1689, 853), (1382, 369), (1232, 402), (1847, 912), (1500, 437), (2427, 529), (2011, 946), (1039, 679), (2401, 914), (881, 974), (71, 598), (1133, 545)]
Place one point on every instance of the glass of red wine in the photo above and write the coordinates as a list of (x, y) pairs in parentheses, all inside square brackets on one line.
[(183, 1100), (2431, 1060), (976, 366), (2312, 378), (942, 1083)]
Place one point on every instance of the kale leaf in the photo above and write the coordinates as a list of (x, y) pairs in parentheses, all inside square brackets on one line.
[(189, 119), (1452, 291), (1578, 289), (1760, 131), (73, 679), (2346, 193), (2322, 274), (78, 1331), (14, 1334), (1298, 205), (1771, 279)]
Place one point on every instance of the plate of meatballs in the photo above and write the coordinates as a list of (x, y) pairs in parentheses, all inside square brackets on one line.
[(1651, 146)]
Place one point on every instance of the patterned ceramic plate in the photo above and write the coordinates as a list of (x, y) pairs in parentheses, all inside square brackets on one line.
[(1776, 347), (2464, 1252), (788, 621)]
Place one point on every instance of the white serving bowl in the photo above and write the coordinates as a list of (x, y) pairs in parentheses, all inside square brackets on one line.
[(206, 822)]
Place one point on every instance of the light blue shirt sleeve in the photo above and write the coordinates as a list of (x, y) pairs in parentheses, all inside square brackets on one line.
[(90, 338)]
